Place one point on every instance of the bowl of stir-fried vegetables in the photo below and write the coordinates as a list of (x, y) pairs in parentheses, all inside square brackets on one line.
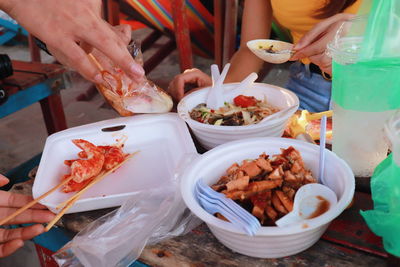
[(243, 115)]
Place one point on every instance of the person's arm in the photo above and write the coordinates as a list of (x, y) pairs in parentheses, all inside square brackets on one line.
[(256, 24), (314, 43), (13, 239), (70, 29)]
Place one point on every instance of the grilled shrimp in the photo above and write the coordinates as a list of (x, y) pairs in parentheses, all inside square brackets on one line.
[(83, 169), (113, 156)]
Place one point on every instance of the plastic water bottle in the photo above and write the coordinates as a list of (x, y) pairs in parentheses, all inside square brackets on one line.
[(364, 95)]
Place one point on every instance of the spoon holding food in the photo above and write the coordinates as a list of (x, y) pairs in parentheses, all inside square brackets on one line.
[(272, 51), (310, 201)]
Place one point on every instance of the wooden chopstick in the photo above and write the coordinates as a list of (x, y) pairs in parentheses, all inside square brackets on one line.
[(95, 180), (77, 194), (33, 202), (95, 61), (68, 203)]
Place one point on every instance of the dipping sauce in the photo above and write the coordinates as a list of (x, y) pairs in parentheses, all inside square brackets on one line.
[(323, 206)]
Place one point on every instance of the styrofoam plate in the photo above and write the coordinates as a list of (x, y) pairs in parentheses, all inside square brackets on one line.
[(163, 141)]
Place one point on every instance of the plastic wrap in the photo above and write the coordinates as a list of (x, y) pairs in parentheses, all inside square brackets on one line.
[(384, 219), (365, 85), (118, 238), (129, 96), (382, 36)]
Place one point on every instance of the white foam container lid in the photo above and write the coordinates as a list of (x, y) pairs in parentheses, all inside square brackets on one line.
[(163, 141)]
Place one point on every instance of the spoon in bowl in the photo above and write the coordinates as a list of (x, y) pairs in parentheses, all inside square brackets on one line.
[(242, 87), (281, 113), (310, 201), (215, 97)]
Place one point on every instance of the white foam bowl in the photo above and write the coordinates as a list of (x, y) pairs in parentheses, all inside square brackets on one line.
[(269, 242), (211, 136)]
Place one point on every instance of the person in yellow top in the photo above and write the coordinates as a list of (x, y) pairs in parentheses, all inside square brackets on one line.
[(311, 23)]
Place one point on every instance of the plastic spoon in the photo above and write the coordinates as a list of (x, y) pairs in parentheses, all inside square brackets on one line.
[(322, 141), (214, 73), (311, 200), (213, 206), (228, 203), (279, 114), (215, 98), (242, 87)]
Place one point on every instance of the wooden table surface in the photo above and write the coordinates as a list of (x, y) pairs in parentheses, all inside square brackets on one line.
[(347, 242)]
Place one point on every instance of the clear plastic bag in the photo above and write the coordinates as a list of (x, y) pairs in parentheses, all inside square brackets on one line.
[(128, 96), (384, 219), (382, 36), (118, 238)]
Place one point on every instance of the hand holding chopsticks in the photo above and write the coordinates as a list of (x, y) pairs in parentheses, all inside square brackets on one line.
[(67, 204), (13, 239), (33, 202)]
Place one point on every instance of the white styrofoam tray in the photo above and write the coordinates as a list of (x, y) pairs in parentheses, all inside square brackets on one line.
[(163, 141)]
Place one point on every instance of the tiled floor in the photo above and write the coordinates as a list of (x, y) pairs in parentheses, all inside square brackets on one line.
[(22, 134)]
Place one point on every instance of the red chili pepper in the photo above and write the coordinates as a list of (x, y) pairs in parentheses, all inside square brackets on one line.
[(245, 101)]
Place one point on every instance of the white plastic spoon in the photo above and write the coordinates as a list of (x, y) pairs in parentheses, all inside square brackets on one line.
[(311, 200), (215, 97), (279, 114), (214, 73), (243, 86)]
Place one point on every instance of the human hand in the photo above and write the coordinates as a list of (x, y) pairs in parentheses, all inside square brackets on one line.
[(70, 30), (13, 239), (313, 44), (176, 87)]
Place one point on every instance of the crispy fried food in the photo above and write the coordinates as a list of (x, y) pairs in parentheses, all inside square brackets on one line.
[(261, 186), (260, 202), (287, 203), (239, 184), (267, 185), (278, 204), (263, 164), (232, 169), (271, 213), (277, 173), (250, 168), (290, 192), (252, 189)]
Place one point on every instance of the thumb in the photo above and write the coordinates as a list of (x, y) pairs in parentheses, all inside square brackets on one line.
[(3, 180)]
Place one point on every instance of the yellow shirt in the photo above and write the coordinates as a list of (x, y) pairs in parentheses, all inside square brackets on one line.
[(297, 15)]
